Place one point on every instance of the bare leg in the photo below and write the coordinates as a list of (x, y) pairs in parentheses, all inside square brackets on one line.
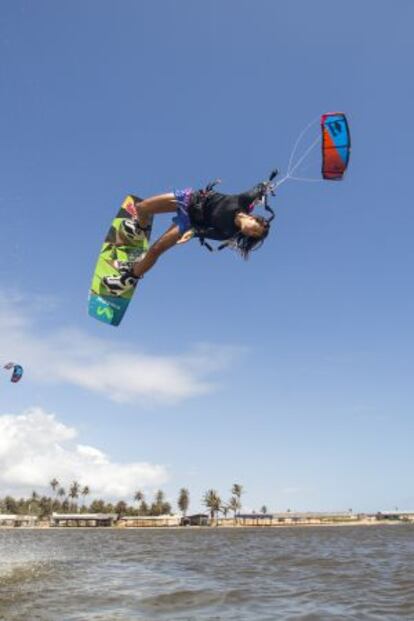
[(117, 285), (163, 243), (163, 203)]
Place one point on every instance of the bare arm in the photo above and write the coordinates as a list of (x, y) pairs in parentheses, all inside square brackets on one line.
[(186, 237)]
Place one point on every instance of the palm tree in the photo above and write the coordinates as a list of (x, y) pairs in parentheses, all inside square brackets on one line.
[(237, 491), (213, 502), (54, 484), (74, 490), (184, 500), (263, 509), (45, 506), (121, 508), (84, 492), (159, 505), (139, 496), (234, 505), (34, 499), (225, 508)]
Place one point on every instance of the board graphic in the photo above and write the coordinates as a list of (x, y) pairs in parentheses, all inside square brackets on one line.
[(116, 249)]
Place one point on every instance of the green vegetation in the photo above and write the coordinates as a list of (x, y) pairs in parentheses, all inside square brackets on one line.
[(183, 501), (72, 499)]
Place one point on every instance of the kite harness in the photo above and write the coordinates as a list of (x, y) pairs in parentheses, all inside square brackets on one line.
[(197, 210)]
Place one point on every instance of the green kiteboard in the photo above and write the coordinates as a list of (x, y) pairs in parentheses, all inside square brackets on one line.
[(116, 248)]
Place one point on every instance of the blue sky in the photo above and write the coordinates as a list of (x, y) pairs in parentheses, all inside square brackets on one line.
[(290, 374)]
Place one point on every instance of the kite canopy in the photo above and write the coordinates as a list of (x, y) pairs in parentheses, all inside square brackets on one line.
[(335, 140), (17, 371), (336, 145)]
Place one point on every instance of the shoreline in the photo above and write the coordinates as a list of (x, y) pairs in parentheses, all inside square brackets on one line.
[(214, 527)]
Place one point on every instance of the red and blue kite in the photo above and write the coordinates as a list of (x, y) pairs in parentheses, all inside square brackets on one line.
[(336, 145)]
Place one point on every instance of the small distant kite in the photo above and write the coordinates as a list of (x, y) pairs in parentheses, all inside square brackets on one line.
[(17, 371)]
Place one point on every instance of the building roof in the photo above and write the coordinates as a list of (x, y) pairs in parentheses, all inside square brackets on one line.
[(197, 515), (84, 516), (312, 514), (151, 517), (11, 516)]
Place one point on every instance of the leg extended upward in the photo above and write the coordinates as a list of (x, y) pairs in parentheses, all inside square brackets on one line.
[(132, 229)]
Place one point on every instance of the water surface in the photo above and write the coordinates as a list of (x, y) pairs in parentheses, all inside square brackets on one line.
[(298, 574)]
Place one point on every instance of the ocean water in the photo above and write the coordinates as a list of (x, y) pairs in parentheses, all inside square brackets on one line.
[(308, 574)]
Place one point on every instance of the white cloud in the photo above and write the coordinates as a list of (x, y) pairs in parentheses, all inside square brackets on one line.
[(70, 356), (35, 447)]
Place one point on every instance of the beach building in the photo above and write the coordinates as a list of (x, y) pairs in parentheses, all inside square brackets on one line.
[(311, 517), (253, 519), (198, 519), (149, 521), (402, 516), (287, 518), (14, 521), (83, 519)]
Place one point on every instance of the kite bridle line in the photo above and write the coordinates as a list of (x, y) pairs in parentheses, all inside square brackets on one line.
[(292, 166)]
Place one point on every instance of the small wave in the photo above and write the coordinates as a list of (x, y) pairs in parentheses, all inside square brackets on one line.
[(14, 573), (187, 599)]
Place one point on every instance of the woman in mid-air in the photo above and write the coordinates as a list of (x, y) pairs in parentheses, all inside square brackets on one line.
[(205, 214)]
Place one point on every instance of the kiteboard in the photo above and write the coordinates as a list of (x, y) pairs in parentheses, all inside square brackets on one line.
[(116, 250)]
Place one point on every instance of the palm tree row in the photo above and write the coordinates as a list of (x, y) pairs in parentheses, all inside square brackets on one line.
[(64, 500), (74, 491), (215, 505)]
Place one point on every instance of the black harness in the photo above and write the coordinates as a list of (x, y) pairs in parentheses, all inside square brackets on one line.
[(196, 212), (198, 201)]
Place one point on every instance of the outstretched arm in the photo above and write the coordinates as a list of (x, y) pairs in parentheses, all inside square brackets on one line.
[(255, 194), (166, 241)]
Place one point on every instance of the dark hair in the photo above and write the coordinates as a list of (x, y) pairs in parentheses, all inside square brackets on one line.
[(245, 244)]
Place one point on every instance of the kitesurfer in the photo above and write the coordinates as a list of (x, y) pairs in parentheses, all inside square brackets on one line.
[(205, 214)]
